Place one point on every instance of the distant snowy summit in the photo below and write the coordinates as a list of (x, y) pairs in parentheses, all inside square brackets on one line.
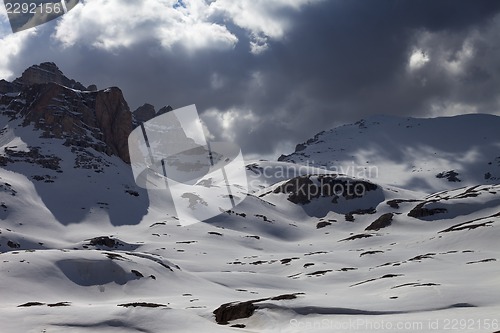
[(426, 154)]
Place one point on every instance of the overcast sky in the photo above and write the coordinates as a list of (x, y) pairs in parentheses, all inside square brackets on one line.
[(268, 74)]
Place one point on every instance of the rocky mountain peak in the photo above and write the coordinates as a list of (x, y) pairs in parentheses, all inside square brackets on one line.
[(44, 73), (62, 108), (146, 112)]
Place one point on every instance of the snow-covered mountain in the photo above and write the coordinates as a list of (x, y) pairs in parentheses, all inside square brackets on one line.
[(413, 153), (83, 249)]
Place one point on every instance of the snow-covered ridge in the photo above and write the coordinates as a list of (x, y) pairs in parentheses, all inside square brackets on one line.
[(414, 153)]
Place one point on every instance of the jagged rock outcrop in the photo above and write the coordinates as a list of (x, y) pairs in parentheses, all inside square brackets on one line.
[(147, 112), (238, 310), (92, 87), (450, 175), (383, 221), (32, 156), (420, 211), (143, 114), (84, 117), (7, 87), (100, 120), (44, 73)]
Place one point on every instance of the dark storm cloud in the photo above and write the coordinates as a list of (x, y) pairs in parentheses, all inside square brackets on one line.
[(347, 60), (340, 61), (352, 53)]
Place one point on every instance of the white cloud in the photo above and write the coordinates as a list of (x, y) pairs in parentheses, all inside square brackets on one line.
[(190, 24), (258, 44), (229, 123), (451, 53), (418, 59), (457, 61), (11, 45), (112, 24), (260, 17), (450, 108), (217, 81), (460, 68), (263, 19)]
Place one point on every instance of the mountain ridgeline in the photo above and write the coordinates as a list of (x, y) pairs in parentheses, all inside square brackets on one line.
[(426, 154), (64, 108)]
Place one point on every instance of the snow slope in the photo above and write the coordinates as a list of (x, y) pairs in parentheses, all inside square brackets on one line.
[(85, 250)]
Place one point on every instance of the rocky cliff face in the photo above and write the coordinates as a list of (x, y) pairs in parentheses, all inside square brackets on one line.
[(100, 120), (63, 108), (114, 120)]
